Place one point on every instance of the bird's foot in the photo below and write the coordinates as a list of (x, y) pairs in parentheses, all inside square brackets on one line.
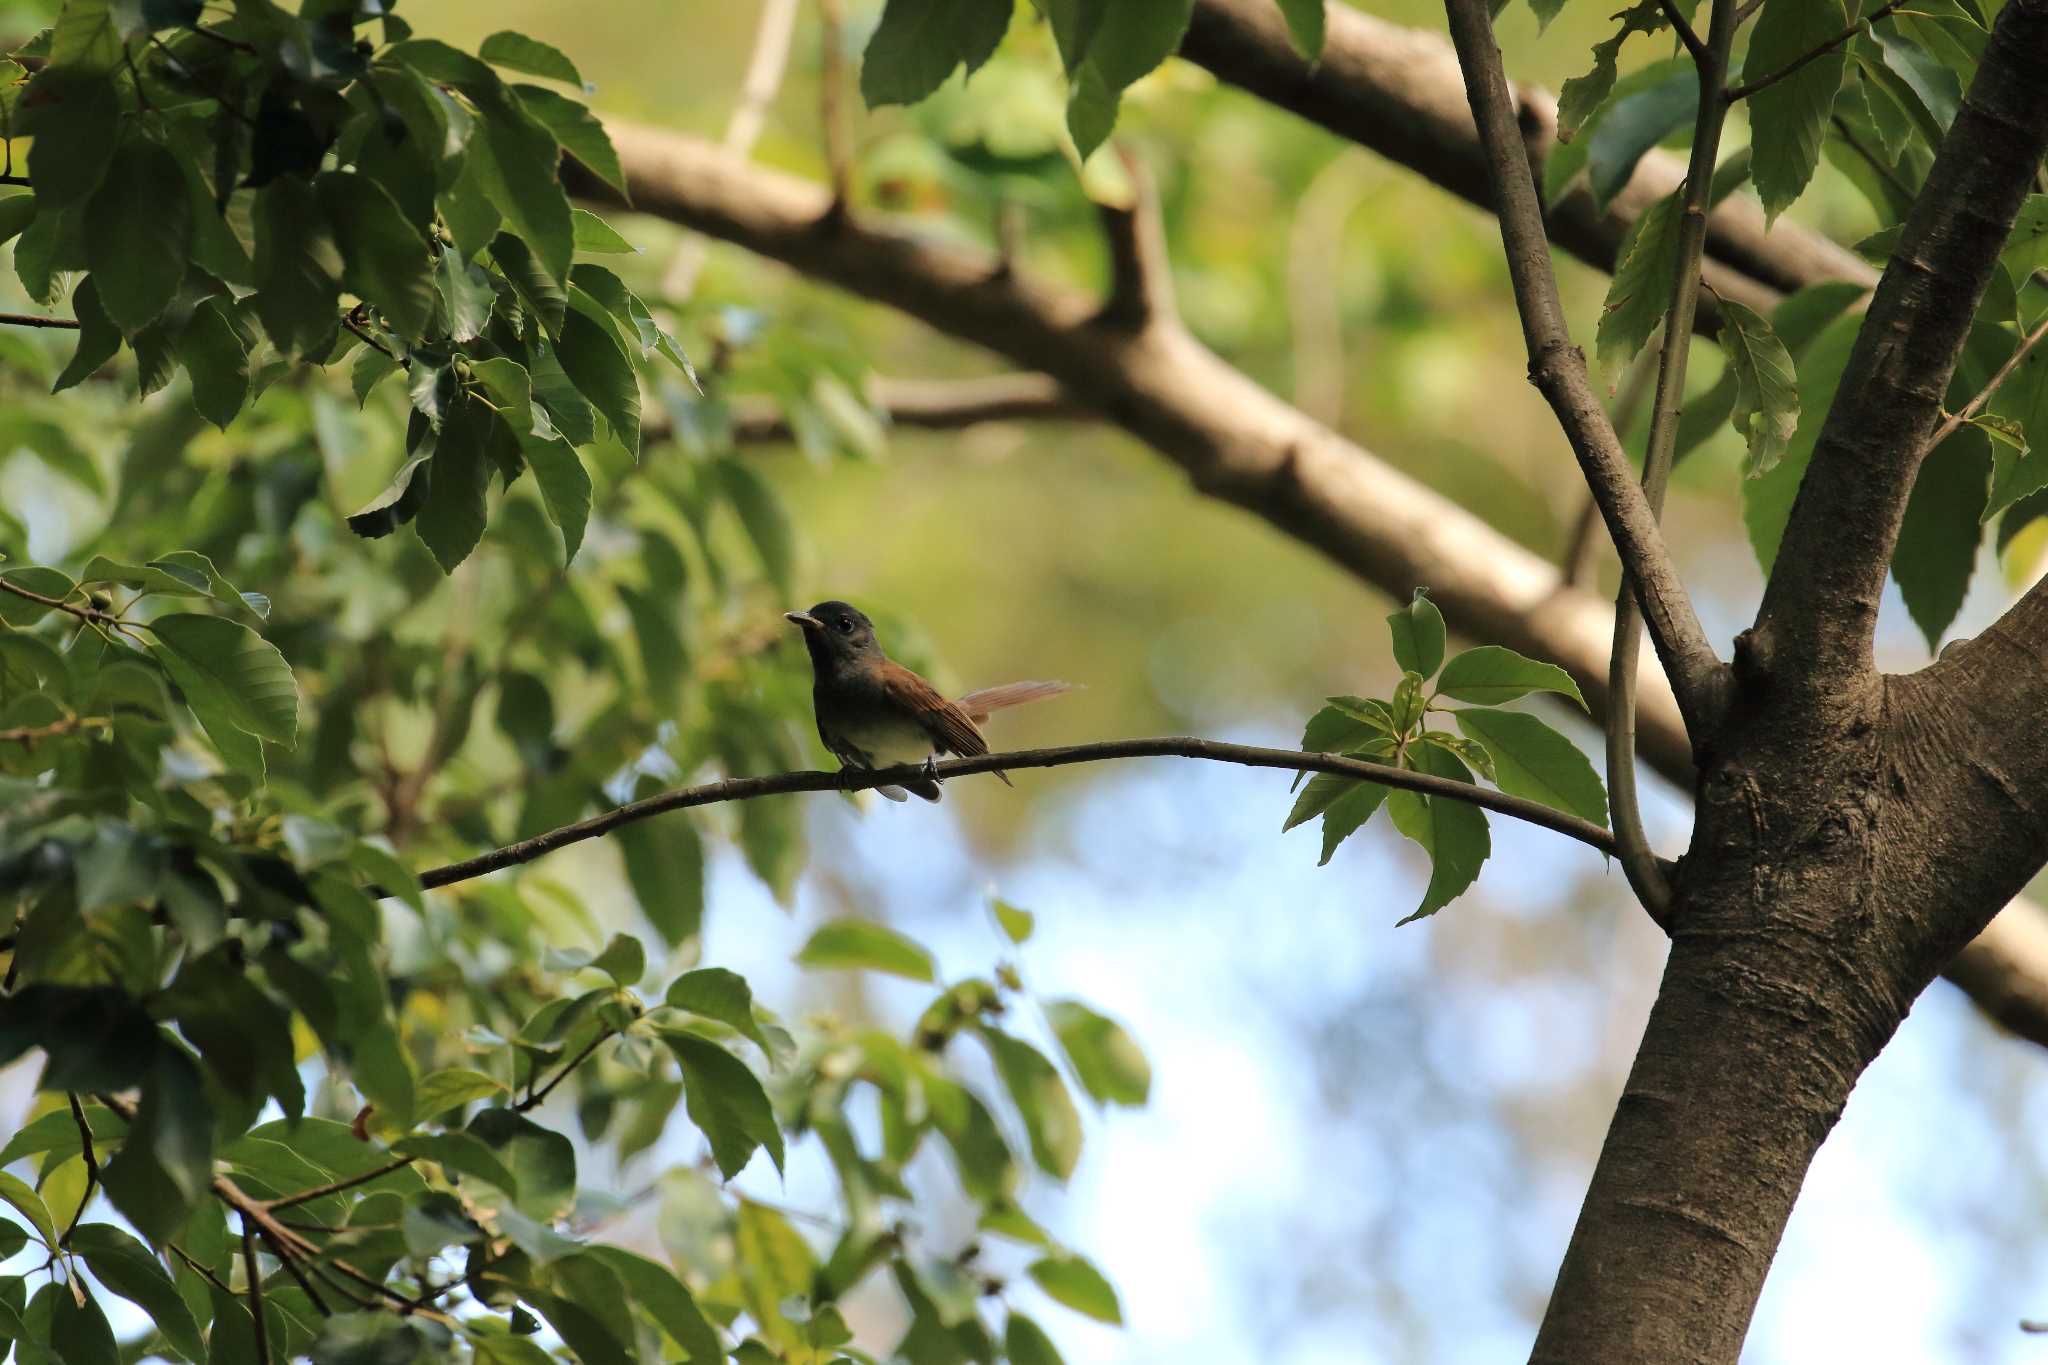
[(931, 767)]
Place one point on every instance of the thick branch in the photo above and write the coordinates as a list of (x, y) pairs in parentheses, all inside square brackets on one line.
[(1559, 369), (860, 779), (1398, 91), (1236, 441), (1819, 611)]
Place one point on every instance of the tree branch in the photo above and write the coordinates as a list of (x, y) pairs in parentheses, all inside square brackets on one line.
[(1819, 612), (1236, 441), (1954, 420), (862, 779), (33, 320), (255, 1277), (1674, 16), (1141, 275), (1398, 91), (1769, 78), (1558, 369)]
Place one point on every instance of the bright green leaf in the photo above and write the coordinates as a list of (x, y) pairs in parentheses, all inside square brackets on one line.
[(1072, 1281), (1532, 760), (860, 945), (1492, 674)]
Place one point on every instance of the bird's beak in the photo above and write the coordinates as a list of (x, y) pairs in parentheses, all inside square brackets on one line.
[(798, 618)]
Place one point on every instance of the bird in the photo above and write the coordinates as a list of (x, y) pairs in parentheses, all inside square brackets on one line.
[(874, 713)]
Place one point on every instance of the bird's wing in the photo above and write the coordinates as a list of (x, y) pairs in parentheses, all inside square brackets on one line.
[(947, 725), (980, 703)]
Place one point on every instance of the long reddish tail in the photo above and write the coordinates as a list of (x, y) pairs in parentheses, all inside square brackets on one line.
[(979, 704)]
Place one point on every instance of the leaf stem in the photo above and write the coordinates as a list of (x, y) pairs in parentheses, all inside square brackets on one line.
[(535, 1097), (1954, 420), (1769, 78)]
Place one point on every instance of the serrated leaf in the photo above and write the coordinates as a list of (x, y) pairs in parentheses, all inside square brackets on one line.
[(726, 1102), (298, 269), (860, 945), (919, 43), (229, 674), (719, 994), (1766, 410), (597, 364), (451, 517), (138, 233), (98, 338), (1640, 292), (1452, 832), (1581, 95), (385, 260), (530, 56), (1534, 761), (214, 356), (578, 131), (595, 235), (1492, 674), (1789, 117)]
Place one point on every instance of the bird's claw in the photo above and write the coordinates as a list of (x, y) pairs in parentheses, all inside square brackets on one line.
[(931, 767)]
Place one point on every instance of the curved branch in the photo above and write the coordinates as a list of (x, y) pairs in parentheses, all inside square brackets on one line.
[(862, 779), (1819, 612), (1558, 368)]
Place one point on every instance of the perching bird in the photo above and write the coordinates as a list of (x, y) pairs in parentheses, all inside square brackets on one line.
[(875, 713)]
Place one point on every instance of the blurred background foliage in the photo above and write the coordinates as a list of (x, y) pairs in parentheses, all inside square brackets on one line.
[(1361, 1144)]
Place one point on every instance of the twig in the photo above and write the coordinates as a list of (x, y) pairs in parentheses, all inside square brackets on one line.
[(1676, 18), (82, 613), (197, 1268), (1576, 563), (1638, 862), (291, 1267), (757, 91), (1141, 275), (862, 779), (337, 1186), (1558, 369), (832, 106), (348, 321), (92, 1165), (1884, 169), (535, 1097), (254, 1272), (29, 734), (31, 320), (1748, 88), (1976, 405)]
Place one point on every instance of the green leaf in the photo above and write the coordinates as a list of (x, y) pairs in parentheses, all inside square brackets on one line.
[(919, 43), (125, 1266), (1789, 118), (1072, 1281), (228, 674), (516, 164), (594, 360), (1767, 499), (1929, 81), (1024, 1341), (665, 867), (465, 293), (1647, 264), (1109, 1063), (1016, 921), (1127, 42), (98, 338), (1305, 31), (623, 960), (2026, 249), (1581, 95), (726, 1102), (763, 516), (1943, 526), (1631, 125), (656, 1289), (860, 945), (1452, 832), (1766, 411), (578, 131), (298, 269), (517, 52), (1050, 1119), (1492, 674), (458, 1152), (166, 1162), (79, 1331), (385, 260), (75, 120), (138, 233), (452, 516), (213, 355), (719, 994), (1418, 631), (540, 1160), (399, 503), (29, 1205), (1532, 760), (440, 1091), (595, 235)]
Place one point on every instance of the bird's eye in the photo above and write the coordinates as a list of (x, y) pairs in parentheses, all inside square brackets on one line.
[(846, 625)]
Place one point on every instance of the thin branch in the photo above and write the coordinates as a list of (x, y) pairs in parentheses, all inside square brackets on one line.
[(1558, 369), (255, 1275), (1638, 861), (862, 779), (29, 734), (291, 1267), (1770, 78), (534, 1098), (348, 320), (1577, 561), (199, 1269), (398, 1163), (92, 1165), (832, 106), (1141, 274), (757, 91), (31, 320), (1676, 18), (82, 613), (1976, 405)]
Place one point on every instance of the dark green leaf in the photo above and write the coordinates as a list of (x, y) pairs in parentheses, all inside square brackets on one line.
[(125, 1266), (228, 673), (762, 514), (1631, 125), (458, 1152), (1581, 95), (726, 1102), (451, 519), (1109, 1063), (298, 268), (591, 355), (1789, 117), (74, 118), (1767, 499), (919, 43), (138, 233), (166, 1163), (663, 1296), (1532, 760), (578, 130), (98, 338), (1418, 631), (1024, 1341), (1492, 674), (79, 1331), (540, 1160), (517, 52), (665, 867), (1641, 290), (385, 260), (399, 503), (860, 945), (213, 354), (1937, 548), (1766, 410)]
